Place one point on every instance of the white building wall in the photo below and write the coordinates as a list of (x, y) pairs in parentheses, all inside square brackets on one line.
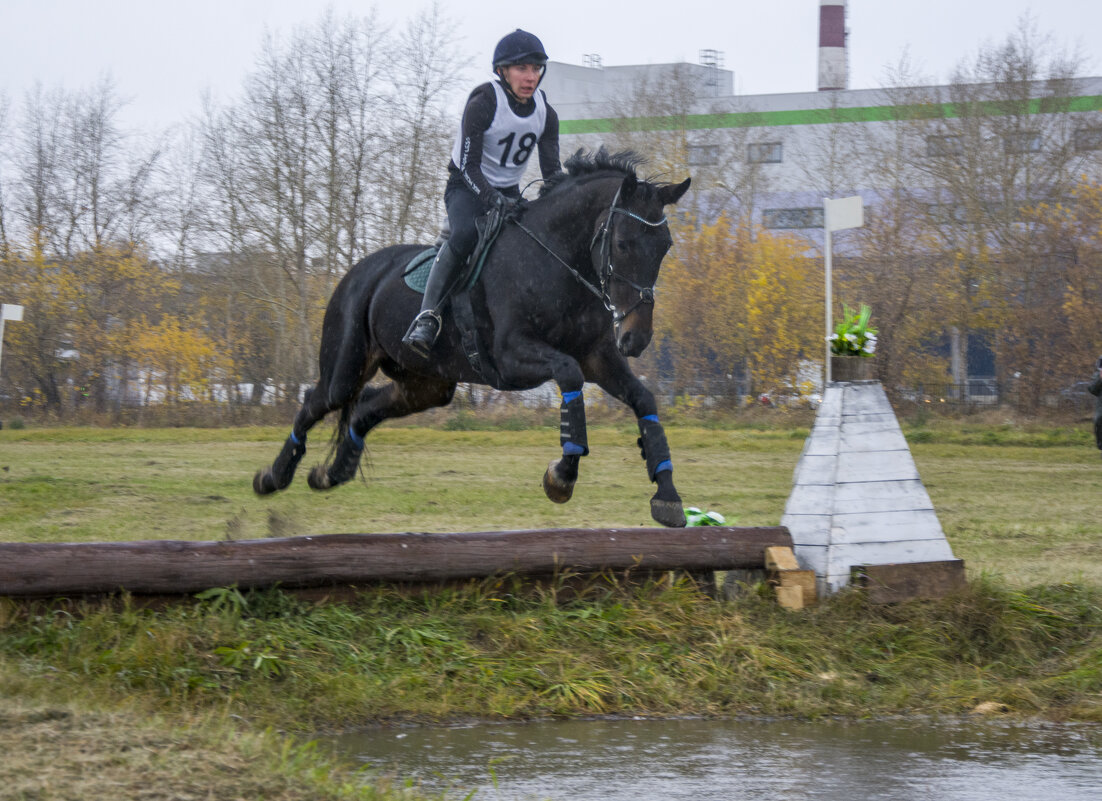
[(798, 121)]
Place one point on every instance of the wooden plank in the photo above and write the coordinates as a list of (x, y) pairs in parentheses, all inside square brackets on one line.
[(880, 496), (904, 582), (878, 466), (804, 579), (778, 557), (175, 566), (884, 526), (812, 470), (790, 597)]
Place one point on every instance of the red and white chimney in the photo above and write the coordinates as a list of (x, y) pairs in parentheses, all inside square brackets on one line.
[(833, 67)]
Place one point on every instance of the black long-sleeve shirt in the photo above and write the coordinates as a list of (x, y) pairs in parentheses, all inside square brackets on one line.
[(478, 115)]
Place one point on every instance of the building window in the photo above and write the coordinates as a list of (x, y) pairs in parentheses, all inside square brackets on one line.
[(1024, 142), (944, 146), (1088, 139), (793, 218), (947, 213), (703, 155), (764, 153)]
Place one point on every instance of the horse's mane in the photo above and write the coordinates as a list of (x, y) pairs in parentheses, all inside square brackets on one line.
[(587, 163)]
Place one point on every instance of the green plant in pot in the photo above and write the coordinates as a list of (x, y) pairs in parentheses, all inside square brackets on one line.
[(851, 344)]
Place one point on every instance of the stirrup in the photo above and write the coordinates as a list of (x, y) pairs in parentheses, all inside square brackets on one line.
[(423, 332)]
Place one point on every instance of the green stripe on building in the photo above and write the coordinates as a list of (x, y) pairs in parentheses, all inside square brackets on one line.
[(819, 116)]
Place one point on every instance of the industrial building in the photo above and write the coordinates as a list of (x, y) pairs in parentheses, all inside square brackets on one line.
[(774, 158), (787, 140)]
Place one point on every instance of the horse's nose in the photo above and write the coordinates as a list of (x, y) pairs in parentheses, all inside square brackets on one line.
[(632, 343)]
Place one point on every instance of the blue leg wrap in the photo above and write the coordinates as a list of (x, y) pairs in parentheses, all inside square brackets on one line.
[(356, 439), (653, 446), (572, 432)]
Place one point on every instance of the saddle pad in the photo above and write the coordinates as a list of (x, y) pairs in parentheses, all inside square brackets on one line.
[(417, 271)]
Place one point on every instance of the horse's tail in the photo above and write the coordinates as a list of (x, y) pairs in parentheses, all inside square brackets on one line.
[(344, 419), (344, 459)]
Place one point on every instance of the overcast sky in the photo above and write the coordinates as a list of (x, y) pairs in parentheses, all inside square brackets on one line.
[(162, 54)]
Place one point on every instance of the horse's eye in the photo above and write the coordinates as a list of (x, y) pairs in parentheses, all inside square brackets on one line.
[(622, 246)]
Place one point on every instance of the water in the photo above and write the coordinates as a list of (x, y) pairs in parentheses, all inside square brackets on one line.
[(640, 760)]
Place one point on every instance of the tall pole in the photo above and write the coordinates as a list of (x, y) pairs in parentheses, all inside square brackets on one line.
[(829, 321), (838, 214), (8, 311)]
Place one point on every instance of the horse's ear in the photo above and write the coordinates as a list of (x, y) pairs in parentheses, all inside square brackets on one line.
[(628, 187), (671, 193)]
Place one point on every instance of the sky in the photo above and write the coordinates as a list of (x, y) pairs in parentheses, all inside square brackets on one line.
[(162, 56)]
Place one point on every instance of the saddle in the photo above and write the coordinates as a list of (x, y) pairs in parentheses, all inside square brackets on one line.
[(416, 275)]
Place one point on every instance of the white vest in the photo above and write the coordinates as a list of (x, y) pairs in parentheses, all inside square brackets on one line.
[(508, 142)]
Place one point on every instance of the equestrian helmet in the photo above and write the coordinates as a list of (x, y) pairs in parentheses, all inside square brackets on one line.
[(519, 47)]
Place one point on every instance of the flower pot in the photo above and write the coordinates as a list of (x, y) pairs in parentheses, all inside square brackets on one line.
[(852, 368)]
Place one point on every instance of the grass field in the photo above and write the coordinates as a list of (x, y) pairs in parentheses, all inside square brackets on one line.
[(1020, 504), (110, 699)]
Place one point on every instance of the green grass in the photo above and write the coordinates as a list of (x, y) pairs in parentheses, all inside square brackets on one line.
[(495, 650), (1017, 503)]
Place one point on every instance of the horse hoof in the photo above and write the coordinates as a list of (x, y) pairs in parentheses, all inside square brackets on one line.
[(558, 491), (668, 513), (264, 482), (319, 478)]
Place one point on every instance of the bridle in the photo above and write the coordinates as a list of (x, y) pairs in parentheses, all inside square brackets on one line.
[(606, 270)]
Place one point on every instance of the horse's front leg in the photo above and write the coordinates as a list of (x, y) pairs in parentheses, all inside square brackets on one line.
[(562, 474), (611, 372), (529, 361), (665, 505)]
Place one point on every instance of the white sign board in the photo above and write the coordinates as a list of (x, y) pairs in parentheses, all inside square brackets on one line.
[(843, 212), (11, 311)]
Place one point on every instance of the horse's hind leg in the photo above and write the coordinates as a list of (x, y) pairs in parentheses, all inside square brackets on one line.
[(278, 476), (403, 396)]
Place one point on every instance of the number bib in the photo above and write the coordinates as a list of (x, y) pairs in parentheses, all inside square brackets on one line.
[(509, 140)]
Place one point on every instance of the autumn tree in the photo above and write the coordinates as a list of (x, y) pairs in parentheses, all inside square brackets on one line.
[(1002, 142), (1068, 330), (178, 360), (741, 303)]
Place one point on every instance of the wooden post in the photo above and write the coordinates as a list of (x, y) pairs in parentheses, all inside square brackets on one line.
[(795, 588), (174, 566), (887, 584)]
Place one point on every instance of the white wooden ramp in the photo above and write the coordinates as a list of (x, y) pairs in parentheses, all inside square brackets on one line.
[(857, 498)]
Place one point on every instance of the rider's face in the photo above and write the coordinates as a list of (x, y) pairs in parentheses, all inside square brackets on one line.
[(523, 79)]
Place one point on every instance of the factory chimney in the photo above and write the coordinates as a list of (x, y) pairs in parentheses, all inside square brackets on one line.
[(833, 65)]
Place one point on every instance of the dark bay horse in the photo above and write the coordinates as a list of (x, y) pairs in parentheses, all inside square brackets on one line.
[(566, 294)]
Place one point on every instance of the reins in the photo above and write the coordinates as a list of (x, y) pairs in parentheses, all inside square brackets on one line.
[(606, 272)]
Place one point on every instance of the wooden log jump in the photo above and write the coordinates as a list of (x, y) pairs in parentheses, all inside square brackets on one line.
[(166, 567)]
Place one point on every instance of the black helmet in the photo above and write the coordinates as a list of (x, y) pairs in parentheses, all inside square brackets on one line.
[(519, 47)]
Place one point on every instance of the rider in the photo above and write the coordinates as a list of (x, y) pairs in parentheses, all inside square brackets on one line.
[(504, 120)]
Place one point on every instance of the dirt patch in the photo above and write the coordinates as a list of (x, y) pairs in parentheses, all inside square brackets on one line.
[(55, 754)]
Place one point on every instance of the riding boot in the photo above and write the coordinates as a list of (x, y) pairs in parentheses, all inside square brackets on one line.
[(426, 325)]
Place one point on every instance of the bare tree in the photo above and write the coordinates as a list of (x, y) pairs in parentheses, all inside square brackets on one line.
[(337, 147), (5, 245), (423, 73)]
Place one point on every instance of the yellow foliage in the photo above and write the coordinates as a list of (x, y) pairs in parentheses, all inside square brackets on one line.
[(739, 299), (181, 359)]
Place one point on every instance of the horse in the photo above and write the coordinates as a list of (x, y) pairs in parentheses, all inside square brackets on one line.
[(566, 293)]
